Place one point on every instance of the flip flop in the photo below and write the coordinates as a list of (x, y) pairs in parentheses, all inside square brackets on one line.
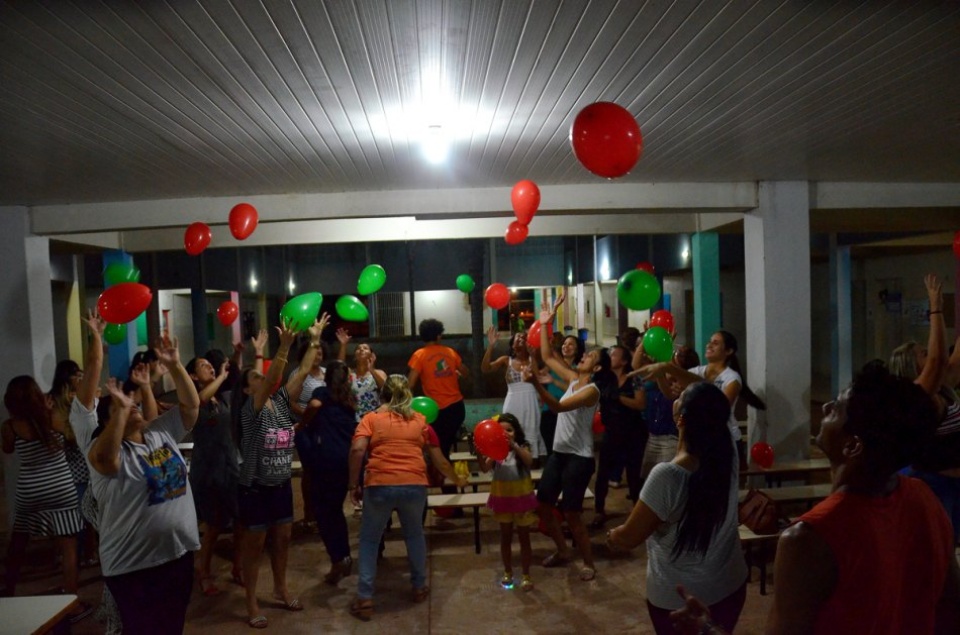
[(257, 622), (587, 574), (555, 560), (292, 605)]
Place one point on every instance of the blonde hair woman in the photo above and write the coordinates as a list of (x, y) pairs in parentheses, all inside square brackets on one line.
[(393, 438)]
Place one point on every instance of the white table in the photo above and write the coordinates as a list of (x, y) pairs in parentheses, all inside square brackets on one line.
[(34, 614)]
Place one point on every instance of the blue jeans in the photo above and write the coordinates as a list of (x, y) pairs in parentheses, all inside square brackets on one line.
[(379, 501)]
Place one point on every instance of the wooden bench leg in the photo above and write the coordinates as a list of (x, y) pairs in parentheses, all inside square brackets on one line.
[(476, 529), (763, 568)]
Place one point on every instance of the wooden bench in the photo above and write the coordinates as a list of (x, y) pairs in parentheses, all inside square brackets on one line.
[(750, 540), (474, 500), (779, 471), (481, 478), (795, 493)]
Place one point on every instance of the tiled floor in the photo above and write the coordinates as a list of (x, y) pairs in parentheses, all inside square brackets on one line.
[(466, 596)]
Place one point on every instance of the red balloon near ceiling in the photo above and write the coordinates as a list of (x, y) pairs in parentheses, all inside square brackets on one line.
[(662, 318), (123, 302), (606, 139), (196, 238), (227, 312), (243, 220), (516, 233), (646, 266), (490, 440), (497, 296), (525, 199), (956, 244)]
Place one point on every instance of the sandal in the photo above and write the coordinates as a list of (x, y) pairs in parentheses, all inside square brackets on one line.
[(507, 580), (587, 574), (362, 609), (257, 622), (292, 605), (206, 585), (421, 594), (526, 584), (555, 559)]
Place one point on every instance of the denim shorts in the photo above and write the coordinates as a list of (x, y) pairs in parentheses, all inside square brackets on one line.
[(567, 474), (263, 506)]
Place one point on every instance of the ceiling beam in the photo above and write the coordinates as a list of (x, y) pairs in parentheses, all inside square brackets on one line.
[(880, 196), (584, 199)]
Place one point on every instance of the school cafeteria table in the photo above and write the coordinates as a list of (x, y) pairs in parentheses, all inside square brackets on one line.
[(34, 614)]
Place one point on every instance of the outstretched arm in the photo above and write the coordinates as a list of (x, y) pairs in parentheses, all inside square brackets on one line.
[(187, 395), (931, 377), (295, 381), (140, 375), (546, 351), (343, 338), (211, 389), (93, 365), (485, 365), (104, 454)]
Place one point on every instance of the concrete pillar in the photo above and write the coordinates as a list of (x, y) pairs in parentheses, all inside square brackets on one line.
[(706, 288), (26, 320), (198, 313), (777, 283), (841, 321)]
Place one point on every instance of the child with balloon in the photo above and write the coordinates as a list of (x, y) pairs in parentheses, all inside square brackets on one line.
[(512, 499)]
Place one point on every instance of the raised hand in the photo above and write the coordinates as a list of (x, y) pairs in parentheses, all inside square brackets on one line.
[(342, 336), (140, 375), (260, 341), (238, 348), (115, 389), (559, 301), (95, 322), (319, 325), (224, 368), (934, 291), (287, 334), (167, 352), (492, 336)]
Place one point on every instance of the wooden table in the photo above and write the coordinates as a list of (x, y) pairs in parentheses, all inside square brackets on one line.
[(474, 500), (485, 478), (462, 456), (782, 469), (34, 614)]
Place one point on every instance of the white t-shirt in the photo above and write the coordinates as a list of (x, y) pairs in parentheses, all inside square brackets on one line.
[(83, 422), (728, 376), (574, 433), (147, 513), (711, 578)]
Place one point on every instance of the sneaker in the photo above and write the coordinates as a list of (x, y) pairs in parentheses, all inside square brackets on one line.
[(615, 484), (526, 583), (507, 580)]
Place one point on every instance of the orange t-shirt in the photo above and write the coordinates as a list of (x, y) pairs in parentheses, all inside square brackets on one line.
[(437, 366), (892, 554), (395, 453)]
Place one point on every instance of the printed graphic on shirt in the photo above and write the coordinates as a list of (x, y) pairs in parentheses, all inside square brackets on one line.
[(166, 475), (442, 370), (276, 459)]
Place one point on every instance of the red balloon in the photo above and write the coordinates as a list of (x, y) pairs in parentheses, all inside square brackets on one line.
[(227, 313), (646, 266), (606, 139), (123, 302), (497, 296), (243, 220), (597, 423), (490, 440), (956, 244), (762, 454), (516, 233), (196, 238), (525, 198), (533, 333), (662, 318)]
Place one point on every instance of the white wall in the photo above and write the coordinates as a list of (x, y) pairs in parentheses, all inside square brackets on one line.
[(448, 306)]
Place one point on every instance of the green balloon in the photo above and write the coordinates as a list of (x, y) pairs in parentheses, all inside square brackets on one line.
[(427, 407), (638, 290), (301, 312), (658, 344), (117, 272), (351, 309), (115, 333), (371, 279), (465, 283)]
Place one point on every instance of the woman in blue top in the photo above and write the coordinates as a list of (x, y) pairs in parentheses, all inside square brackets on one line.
[(323, 443)]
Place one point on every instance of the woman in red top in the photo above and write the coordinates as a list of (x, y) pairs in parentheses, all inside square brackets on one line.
[(395, 478)]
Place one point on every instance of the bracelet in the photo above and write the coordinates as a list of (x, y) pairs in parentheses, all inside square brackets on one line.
[(314, 344), (934, 312), (258, 357), (282, 360)]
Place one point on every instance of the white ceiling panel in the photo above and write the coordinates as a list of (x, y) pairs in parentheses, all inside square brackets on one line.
[(121, 101)]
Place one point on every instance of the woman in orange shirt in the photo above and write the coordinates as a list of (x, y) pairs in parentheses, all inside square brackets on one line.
[(394, 438)]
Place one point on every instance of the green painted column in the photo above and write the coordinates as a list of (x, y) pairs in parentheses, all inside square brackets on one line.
[(706, 288)]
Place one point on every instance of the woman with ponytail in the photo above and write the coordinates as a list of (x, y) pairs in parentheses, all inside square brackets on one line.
[(722, 370), (393, 438), (687, 514)]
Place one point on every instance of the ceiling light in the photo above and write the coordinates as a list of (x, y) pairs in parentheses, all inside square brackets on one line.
[(253, 281), (435, 146), (685, 253), (292, 286)]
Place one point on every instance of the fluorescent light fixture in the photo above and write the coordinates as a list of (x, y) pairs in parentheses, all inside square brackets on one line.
[(605, 269), (253, 281), (435, 146), (292, 286)]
